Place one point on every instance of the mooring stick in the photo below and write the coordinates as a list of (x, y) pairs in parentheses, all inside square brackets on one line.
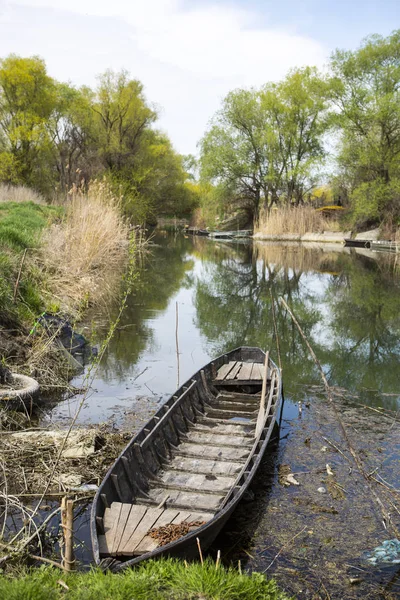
[(176, 340), (276, 331), (67, 522), (387, 521)]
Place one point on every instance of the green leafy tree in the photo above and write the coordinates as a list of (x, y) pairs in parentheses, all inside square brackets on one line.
[(365, 88), (73, 154), (27, 99), (265, 145), (122, 117)]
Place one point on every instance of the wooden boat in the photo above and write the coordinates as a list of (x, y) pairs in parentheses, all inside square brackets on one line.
[(357, 243), (188, 468), (195, 231), (241, 233)]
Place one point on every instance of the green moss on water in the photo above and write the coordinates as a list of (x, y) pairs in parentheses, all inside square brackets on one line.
[(155, 580)]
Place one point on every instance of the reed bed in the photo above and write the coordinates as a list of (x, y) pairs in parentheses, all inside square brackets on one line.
[(293, 220), (19, 193), (85, 253)]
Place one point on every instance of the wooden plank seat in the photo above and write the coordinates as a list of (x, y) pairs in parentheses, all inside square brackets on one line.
[(216, 439), (204, 466), (237, 373), (126, 527)]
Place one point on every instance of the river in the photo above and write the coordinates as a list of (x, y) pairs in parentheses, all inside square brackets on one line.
[(214, 296)]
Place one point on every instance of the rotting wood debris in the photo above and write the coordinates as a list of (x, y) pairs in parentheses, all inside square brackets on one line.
[(27, 459)]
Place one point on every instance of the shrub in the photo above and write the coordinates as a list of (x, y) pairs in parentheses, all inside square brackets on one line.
[(377, 201)]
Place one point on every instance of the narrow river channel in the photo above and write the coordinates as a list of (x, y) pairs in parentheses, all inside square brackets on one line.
[(348, 304)]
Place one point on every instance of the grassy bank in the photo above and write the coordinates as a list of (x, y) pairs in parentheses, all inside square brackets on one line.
[(155, 580), (21, 226), (57, 259)]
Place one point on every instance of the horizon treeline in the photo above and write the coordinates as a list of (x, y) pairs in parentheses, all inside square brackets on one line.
[(55, 138), (335, 134)]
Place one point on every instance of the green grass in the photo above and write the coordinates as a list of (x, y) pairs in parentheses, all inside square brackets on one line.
[(165, 579), (21, 225)]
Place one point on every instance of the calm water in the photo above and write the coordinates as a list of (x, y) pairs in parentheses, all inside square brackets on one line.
[(348, 304)]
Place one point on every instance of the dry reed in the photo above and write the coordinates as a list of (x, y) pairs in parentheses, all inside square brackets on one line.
[(19, 193), (293, 220), (85, 253)]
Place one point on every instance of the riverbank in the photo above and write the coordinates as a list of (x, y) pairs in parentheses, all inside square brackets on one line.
[(327, 237), (57, 260)]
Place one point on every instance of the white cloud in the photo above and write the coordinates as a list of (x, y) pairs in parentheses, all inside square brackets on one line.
[(188, 58)]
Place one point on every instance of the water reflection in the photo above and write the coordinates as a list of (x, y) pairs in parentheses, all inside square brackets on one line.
[(348, 306)]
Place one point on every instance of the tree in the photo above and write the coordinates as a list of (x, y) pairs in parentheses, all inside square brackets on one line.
[(73, 155), (157, 182), (298, 112), (121, 118), (365, 88), (27, 99), (234, 151), (265, 145)]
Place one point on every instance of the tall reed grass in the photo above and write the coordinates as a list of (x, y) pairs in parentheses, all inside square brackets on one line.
[(19, 193), (293, 220), (86, 251)]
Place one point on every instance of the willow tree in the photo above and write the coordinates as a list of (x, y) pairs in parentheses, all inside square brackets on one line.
[(121, 118), (27, 99), (365, 87), (265, 145)]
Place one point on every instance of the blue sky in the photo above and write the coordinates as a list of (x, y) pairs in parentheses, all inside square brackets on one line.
[(335, 23), (188, 53)]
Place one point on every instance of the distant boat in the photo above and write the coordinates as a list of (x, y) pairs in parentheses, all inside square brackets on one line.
[(195, 231), (182, 476), (357, 243), (241, 233)]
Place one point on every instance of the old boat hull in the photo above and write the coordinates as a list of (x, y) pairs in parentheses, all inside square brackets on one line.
[(166, 473)]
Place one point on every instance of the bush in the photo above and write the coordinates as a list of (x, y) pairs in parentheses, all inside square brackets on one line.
[(375, 202)]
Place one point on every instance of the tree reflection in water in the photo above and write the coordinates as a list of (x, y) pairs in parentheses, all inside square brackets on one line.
[(348, 306)]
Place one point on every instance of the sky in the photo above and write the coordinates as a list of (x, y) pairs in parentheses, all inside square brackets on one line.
[(188, 53)]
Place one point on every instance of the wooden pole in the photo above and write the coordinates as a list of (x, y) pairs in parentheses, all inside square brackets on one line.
[(177, 341), (261, 412), (67, 524), (19, 275)]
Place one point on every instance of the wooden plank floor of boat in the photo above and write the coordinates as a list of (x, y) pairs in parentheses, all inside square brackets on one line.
[(201, 472), (126, 527), (239, 373)]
